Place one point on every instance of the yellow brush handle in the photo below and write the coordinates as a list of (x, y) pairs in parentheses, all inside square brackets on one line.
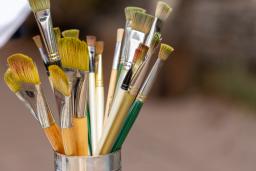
[(111, 91), (81, 135), (69, 141), (93, 115), (117, 124), (54, 136)]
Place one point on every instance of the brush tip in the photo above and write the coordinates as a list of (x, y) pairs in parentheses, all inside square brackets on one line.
[(165, 51), (163, 10), (39, 5), (11, 81), (129, 11), (91, 40), (120, 34), (99, 47), (71, 33), (38, 41), (142, 22)]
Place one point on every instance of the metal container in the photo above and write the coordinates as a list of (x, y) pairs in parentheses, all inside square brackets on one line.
[(110, 162)]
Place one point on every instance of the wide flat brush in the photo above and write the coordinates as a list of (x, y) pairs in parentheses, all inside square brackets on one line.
[(114, 72), (42, 13), (71, 33), (25, 70), (63, 90), (164, 53)]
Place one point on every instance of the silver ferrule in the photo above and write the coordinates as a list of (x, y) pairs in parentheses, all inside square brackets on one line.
[(44, 56), (146, 87), (99, 72), (43, 112), (91, 58), (81, 96), (134, 41), (151, 33), (117, 55), (29, 103), (44, 21), (66, 113), (126, 37)]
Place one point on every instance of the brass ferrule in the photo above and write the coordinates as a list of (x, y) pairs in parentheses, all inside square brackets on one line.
[(99, 72)]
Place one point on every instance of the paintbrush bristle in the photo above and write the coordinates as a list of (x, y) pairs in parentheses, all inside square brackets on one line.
[(163, 10), (155, 42), (91, 40), (38, 41), (99, 47), (57, 33), (74, 53), (71, 33), (120, 34), (39, 5), (24, 68), (129, 12), (165, 51), (140, 53), (142, 22), (59, 80), (12, 81)]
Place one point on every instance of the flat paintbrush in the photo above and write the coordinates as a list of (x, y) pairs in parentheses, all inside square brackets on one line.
[(164, 53), (71, 33), (25, 70), (39, 45)]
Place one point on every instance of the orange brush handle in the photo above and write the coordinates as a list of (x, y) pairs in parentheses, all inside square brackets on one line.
[(69, 143)]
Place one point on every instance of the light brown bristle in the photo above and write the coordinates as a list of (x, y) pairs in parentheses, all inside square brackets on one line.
[(39, 5), (24, 68), (74, 53), (165, 51), (57, 33), (120, 34), (12, 81), (142, 22), (91, 40), (71, 33), (99, 47), (38, 41), (129, 12), (163, 10), (59, 80)]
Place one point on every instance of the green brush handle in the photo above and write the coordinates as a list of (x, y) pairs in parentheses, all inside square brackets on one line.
[(120, 67), (132, 116)]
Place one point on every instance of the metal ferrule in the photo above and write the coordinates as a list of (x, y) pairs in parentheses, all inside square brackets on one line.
[(146, 87), (116, 55), (99, 72), (134, 41), (126, 37), (81, 96), (91, 58), (66, 113), (44, 21), (43, 112), (43, 55), (30, 104)]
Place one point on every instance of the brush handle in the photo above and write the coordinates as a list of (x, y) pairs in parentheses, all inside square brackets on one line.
[(132, 116), (117, 124), (92, 109), (111, 91), (69, 143), (54, 136), (100, 109), (80, 127)]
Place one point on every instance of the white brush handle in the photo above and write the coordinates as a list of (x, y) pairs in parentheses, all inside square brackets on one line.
[(93, 115), (100, 110)]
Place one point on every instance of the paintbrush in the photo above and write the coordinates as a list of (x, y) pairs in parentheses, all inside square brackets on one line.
[(75, 60), (162, 12), (41, 10), (91, 40), (114, 72), (39, 45), (164, 53), (57, 33), (129, 13), (71, 33), (99, 87), (113, 123), (63, 90), (25, 70)]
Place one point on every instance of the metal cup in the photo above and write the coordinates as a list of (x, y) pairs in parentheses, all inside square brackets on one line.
[(110, 162)]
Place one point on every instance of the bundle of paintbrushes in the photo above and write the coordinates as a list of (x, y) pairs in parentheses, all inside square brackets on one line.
[(89, 124)]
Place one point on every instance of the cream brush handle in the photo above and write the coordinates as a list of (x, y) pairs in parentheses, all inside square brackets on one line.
[(100, 110)]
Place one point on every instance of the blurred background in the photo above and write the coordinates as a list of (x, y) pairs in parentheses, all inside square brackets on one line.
[(200, 115)]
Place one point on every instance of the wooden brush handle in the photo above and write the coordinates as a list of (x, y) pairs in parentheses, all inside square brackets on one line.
[(69, 141), (54, 136), (81, 135), (111, 91)]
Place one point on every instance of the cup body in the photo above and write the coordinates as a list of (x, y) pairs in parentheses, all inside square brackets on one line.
[(110, 162)]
